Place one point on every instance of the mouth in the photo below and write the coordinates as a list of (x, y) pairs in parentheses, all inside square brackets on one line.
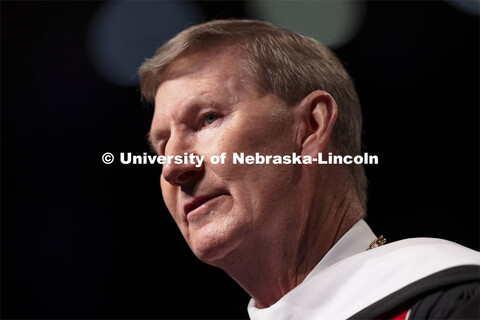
[(199, 201)]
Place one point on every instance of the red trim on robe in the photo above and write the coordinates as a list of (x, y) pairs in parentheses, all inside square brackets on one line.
[(401, 316)]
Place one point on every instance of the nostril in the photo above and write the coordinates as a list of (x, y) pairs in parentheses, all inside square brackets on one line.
[(185, 176), (179, 174)]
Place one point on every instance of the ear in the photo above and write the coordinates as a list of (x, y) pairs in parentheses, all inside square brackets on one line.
[(319, 112)]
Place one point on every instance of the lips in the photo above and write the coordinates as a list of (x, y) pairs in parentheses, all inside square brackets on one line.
[(197, 202)]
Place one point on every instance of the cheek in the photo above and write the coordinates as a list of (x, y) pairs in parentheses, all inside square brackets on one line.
[(255, 186)]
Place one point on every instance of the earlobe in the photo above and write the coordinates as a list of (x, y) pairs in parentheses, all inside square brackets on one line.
[(320, 114)]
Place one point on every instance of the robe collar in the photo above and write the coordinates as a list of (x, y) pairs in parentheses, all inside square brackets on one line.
[(349, 278)]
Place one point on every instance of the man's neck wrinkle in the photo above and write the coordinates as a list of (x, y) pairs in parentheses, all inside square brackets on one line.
[(331, 221), (345, 216)]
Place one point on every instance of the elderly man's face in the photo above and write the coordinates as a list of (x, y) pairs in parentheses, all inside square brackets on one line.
[(207, 104)]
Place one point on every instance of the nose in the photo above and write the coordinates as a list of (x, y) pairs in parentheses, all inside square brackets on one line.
[(188, 170)]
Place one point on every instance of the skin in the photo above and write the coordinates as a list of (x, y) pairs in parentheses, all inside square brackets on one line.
[(267, 226)]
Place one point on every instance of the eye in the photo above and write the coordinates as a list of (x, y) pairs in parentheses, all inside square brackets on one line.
[(211, 118)]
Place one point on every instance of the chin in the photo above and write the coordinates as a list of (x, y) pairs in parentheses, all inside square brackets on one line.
[(212, 245)]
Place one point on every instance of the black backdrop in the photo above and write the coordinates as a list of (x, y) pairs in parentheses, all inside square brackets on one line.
[(81, 239)]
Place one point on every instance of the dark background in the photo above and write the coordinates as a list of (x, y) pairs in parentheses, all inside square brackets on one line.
[(81, 239)]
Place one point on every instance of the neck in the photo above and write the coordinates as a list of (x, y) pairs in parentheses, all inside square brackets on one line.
[(277, 264)]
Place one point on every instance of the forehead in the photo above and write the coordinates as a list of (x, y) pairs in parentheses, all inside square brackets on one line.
[(219, 69)]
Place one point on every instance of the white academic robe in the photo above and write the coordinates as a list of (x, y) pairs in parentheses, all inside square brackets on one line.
[(349, 278)]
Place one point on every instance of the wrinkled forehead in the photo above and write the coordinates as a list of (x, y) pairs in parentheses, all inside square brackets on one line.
[(223, 67)]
